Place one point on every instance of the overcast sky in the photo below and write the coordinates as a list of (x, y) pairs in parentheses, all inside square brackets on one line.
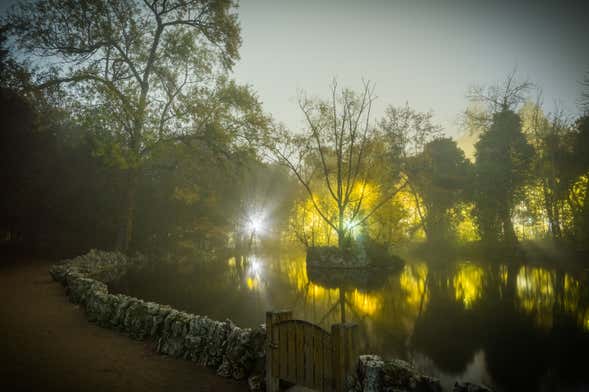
[(426, 53)]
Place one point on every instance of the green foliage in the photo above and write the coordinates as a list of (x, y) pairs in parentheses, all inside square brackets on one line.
[(140, 74), (442, 177), (503, 158)]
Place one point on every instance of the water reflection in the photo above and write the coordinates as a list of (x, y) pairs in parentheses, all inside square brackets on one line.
[(468, 284), (518, 327)]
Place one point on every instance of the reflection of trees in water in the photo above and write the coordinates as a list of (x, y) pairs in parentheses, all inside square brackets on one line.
[(447, 331), (368, 298), (530, 322)]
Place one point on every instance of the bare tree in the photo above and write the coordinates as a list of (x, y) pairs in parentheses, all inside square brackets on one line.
[(334, 151), (486, 101), (407, 132), (133, 69), (585, 94)]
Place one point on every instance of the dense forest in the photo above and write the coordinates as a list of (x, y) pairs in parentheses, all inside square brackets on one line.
[(434, 237), (145, 143)]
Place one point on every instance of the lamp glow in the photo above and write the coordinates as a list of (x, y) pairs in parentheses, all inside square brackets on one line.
[(255, 224)]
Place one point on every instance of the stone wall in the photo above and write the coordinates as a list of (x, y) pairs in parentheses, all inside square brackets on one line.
[(230, 350), (375, 375), (333, 257)]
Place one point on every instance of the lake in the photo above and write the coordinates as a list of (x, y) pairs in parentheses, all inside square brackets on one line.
[(508, 325)]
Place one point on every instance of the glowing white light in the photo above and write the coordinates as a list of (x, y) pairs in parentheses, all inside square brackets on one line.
[(255, 266), (349, 224), (255, 224)]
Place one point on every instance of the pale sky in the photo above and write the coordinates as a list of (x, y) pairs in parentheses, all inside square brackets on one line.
[(426, 53)]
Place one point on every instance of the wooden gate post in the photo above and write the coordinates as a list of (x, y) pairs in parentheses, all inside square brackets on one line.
[(272, 382), (344, 340)]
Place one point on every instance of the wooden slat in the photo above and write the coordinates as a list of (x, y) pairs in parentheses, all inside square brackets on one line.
[(272, 352), (318, 359), (304, 354), (350, 345), (283, 351), (327, 356), (291, 366), (308, 352), (337, 365), (300, 344)]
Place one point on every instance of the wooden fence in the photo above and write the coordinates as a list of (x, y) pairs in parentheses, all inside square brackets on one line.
[(303, 353)]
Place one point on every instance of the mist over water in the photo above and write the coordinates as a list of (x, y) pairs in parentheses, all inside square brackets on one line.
[(511, 325)]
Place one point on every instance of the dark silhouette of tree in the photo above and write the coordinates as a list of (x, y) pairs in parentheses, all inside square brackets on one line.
[(135, 69), (441, 176), (585, 94), (503, 158), (579, 198)]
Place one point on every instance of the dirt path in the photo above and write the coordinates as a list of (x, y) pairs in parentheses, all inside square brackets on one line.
[(47, 344)]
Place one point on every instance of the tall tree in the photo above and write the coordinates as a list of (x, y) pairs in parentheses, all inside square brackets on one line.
[(335, 151), (133, 69), (503, 157), (579, 195), (407, 132), (584, 101), (441, 176), (554, 166)]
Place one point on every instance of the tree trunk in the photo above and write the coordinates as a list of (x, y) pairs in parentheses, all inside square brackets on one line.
[(508, 232), (126, 229), (340, 229), (557, 234)]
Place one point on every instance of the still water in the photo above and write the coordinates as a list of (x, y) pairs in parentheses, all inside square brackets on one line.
[(511, 326)]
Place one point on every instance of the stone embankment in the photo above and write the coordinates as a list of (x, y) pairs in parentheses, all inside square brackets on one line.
[(233, 351), (375, 375)]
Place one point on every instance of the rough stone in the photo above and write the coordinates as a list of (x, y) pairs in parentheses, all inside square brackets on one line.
[(370, 373), (463, 386), (232, 351), (333, 257), (255, 383)]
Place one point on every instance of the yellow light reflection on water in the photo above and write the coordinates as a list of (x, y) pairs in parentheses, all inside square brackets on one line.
[(252, 283), (535, 288), (413, 284), (468, 284), (535, 291), (503, 274), (365, 303), (297, 276)]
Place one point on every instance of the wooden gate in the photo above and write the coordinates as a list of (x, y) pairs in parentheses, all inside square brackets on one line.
[(303, 353)]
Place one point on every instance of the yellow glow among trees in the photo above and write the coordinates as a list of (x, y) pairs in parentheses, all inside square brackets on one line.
[(395, 221), (468, 284), (466, 229)]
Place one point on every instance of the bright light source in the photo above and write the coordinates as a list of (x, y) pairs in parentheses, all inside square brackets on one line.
[(348, 224), (255, 224)]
